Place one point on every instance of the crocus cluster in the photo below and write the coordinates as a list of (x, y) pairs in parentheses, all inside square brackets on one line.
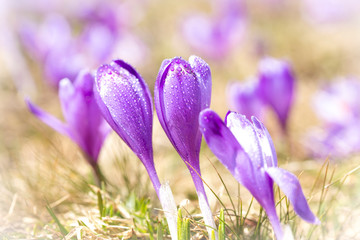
[(126, 104), (247, 151), (63, 52), (182, 90), (338, 107), (216, 36), (84, 122), (273, 87)]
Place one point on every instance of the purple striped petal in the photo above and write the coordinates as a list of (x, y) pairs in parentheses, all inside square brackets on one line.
[(266, 143), (219, 138), (246, 135)]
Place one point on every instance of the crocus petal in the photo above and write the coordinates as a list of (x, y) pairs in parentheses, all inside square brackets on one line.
[(290, 185), (202, 70), (126, 106), (245, 98), (51, 121), (219, 138), (267, 145)]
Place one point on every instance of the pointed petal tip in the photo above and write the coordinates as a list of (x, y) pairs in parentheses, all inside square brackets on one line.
[(30, 105), (206, 117), (291, 187), (35, 110)]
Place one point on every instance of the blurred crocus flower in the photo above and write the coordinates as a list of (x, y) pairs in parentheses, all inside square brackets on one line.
[(338, 106), (277, 87), (63, 51), (245, 98), (126, 104), (247, 151), (84, 122), (216, 36), (53, 46), (39, 40), (182, 90), (338, 103)]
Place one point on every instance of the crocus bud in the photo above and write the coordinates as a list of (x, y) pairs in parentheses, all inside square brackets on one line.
[(277, 86), (84, 122), (182, 90), (125, 102), (216, 36)]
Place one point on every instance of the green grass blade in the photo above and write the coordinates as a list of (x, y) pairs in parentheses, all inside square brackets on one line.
[(222, 225), (100, 204), (179, 224), (63, 230), (160, 232)]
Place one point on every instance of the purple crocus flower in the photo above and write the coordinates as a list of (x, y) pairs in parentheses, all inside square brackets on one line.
[(338, 103), (84, 123), (182, 90), (216, 36), (277, 86), (247, 151), (245, 98), (125, 102)]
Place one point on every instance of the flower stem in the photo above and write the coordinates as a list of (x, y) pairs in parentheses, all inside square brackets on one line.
[(99, 177), (166, 198), (275, 222), (203, 201)]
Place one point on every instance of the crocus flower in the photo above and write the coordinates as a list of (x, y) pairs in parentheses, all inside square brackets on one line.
[(216, 36), (247, 151), (338, 107), (84, 123), (53, 46), (182, 90), (245, 98), (277, 86), (125, 102), (338, 103)]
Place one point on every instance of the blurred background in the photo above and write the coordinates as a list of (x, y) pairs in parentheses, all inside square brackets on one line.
[(42, 42)]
